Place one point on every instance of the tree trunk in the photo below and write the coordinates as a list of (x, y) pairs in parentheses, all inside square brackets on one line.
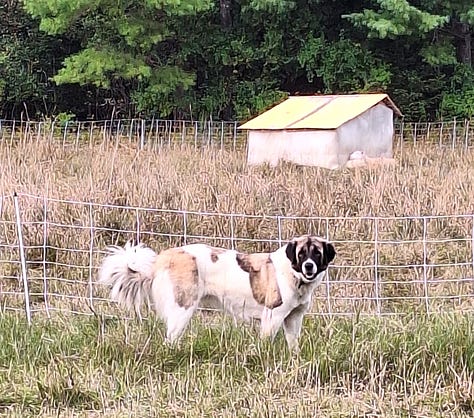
[(463, 42), (226, 14)]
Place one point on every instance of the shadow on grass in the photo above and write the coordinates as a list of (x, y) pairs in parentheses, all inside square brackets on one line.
[(63, 394)]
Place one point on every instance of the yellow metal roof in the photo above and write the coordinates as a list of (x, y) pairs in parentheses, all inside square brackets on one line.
[(317, 112)]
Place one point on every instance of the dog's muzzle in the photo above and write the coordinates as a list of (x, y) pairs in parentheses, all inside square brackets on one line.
[(310, 269)]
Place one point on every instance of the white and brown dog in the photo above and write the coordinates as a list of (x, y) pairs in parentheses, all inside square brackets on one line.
[(273, 287)]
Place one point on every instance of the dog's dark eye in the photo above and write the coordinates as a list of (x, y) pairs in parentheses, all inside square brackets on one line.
[(301, 254)]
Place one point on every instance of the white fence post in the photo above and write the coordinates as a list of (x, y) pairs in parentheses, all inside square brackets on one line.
[(279, 231), (425, 266), (183, 132), (78, 135), (137, 217), (65, 134), (466, 134), (13, 132), (222, 135), (232, 232), (130, 131), (91, 134), (185, 228), (91, 256), (45, 248), (234, 139), (195, 134), (142, 134), (328, 283), (21, 249), (376, 267), (454, 134)]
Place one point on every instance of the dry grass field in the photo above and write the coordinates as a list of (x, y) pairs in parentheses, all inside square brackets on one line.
[(409, 365), (426, 180)]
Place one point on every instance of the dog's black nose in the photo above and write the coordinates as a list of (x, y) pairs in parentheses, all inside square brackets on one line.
[(308, 267)]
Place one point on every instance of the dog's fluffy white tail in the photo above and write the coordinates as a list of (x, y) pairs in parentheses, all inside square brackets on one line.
[(129, 273)]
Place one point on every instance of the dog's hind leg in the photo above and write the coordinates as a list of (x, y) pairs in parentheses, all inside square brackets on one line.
[(177, 321)]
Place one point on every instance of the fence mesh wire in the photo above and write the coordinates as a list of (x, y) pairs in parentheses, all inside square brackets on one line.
[(384, 265), (160, 134)]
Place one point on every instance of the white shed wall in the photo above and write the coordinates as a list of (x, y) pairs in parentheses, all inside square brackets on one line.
[(305, 147), (371, 132)]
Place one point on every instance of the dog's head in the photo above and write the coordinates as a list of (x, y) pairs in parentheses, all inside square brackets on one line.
[(309, 255)]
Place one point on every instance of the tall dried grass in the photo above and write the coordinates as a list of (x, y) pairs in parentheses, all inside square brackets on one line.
[(425, 180)]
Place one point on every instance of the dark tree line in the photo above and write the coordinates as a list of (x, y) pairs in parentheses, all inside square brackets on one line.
[(230, 59)]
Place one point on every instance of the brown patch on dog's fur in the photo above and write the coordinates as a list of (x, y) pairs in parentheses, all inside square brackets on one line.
[(262, 276), (183, 272), (215, 254), (309, 242)]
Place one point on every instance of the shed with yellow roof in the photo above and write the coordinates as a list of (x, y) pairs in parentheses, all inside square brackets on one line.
[(323, 130)]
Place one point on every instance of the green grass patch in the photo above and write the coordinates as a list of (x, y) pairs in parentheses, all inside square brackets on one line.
[(74, 366)]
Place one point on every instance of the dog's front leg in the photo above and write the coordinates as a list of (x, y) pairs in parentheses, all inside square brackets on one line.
[(292, 326), (271, 322)]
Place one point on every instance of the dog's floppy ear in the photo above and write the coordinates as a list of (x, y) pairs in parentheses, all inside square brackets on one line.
[(329, 252), (291, 252)]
